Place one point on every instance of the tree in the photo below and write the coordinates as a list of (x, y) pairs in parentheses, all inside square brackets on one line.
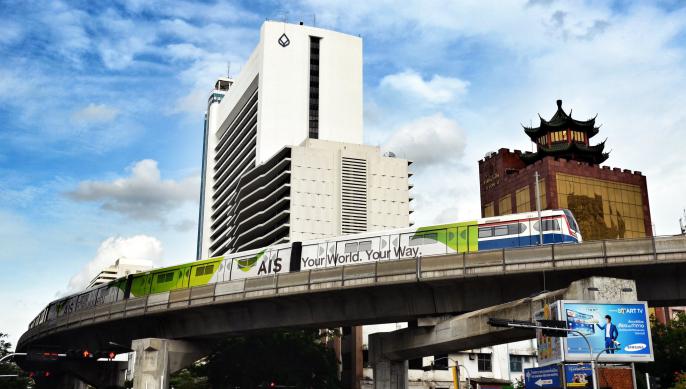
[(296, 359), (9, 368), (669, 346), (193, 377)]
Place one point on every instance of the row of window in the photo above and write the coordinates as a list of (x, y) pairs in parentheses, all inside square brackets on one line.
[(561, 136), (165, 277), (485, 363), (516, 228), (204, 270), (314, 88)]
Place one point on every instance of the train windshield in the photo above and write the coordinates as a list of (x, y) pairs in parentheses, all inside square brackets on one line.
[(571, 220)]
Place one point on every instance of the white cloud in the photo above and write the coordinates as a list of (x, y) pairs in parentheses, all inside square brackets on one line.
[(144, 195), (437, 90), (134, 247), (428, 140), (95, 113)]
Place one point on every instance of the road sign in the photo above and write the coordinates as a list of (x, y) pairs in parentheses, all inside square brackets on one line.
[(578, 375), (546, 377)]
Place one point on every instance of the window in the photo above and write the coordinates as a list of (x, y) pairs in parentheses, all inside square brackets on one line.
[(204, 270), (488, 210), (523, 200), (165, 277), (548, 225), (484, 362), (314, 88), (500, 230), (441, 362), (485, 232), (419, 240), (516, 229), (516, 362), (505, 205), (350, 247), (365, 246)]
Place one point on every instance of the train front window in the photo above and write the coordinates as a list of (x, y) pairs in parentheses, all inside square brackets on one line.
[(571, 220)]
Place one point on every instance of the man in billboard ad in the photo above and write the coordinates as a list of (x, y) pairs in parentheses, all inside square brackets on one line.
[(620, 330), (611, 334)]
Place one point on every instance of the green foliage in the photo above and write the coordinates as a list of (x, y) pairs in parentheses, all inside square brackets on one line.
[(669, 346), (21, 382), (193, 377), (519, 383), (680, 380), (296, 359)]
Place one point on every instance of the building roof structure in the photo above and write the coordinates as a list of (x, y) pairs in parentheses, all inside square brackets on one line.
[(565, 137)]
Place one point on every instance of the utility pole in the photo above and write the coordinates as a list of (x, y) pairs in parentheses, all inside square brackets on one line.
[(538, 209)]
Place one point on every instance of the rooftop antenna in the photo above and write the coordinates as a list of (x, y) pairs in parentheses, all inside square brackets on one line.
[(228, 69), (314, 20)]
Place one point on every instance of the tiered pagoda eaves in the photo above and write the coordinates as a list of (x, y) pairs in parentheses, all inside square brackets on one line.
[(565, 137)]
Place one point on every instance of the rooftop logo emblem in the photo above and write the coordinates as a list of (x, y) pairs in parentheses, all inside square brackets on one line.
[(283, 40)]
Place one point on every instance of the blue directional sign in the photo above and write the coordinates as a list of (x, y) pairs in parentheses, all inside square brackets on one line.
[(546, 377)]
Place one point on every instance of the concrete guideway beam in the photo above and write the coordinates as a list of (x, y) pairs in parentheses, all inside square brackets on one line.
[(471, 330), (156, 359)]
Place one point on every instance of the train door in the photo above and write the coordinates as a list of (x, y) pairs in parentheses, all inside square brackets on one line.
[(525, 233), (473, 238), (462, 239)]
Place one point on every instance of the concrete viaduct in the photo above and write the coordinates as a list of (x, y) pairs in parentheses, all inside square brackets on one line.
[(365, 294)]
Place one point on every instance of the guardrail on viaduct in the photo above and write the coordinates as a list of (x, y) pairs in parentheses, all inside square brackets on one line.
[(595, 254)]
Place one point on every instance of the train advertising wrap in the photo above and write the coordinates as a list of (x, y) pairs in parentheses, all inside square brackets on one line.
[(620, 331)]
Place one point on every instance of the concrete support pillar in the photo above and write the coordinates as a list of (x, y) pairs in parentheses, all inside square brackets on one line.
[(157, 358), (388, 374)]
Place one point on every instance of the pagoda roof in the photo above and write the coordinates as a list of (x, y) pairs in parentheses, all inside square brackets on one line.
[(574, 151), (562, 121)]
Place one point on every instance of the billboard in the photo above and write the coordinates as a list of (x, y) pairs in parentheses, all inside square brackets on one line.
[(578, 376), (623, 328), (549, 348)]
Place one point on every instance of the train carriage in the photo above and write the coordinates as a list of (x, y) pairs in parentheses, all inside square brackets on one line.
[(494, 233)]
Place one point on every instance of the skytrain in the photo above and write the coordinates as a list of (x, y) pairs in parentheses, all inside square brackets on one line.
[(510, 231)]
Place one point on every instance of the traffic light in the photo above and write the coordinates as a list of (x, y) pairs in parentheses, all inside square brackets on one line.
[(555, 324), (110, 355)]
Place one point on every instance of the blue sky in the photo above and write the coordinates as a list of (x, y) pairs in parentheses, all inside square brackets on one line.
[(101, 110)]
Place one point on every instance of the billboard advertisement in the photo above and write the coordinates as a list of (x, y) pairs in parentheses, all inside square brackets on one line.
[(622, 329), (549, 348), (578, 376)]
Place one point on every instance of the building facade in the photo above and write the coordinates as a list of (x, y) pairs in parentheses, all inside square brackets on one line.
[(283, 158), (315, 190), (300, 82), (608, 203)]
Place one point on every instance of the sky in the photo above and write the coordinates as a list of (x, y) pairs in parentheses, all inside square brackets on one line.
[(102, 103)]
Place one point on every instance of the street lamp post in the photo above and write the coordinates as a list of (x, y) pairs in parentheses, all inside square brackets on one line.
[(457, 365), (10, 355), (595, 364)]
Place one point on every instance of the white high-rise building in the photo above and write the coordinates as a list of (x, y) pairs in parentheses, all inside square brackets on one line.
[(299, 83), (122, 267)]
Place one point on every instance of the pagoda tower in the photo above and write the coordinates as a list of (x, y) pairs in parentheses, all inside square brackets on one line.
[(565, 137)]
